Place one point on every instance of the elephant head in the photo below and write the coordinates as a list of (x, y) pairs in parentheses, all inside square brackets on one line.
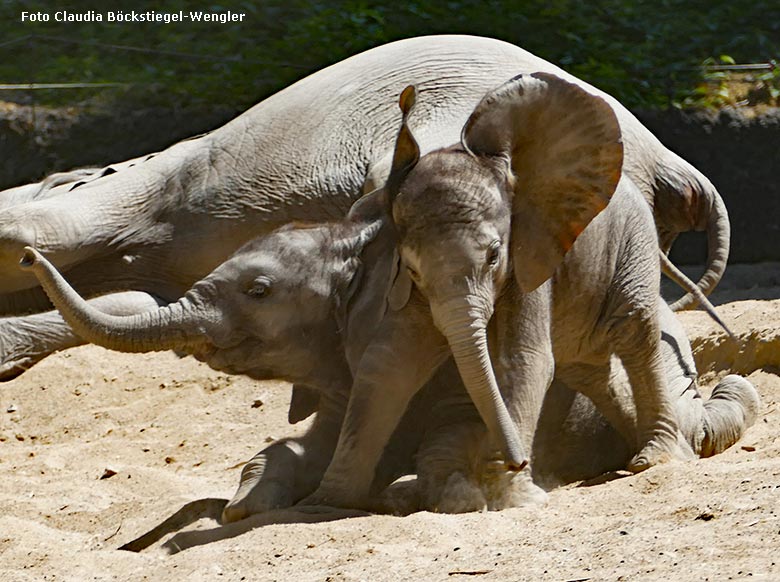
[(276, 309), (539, 158)]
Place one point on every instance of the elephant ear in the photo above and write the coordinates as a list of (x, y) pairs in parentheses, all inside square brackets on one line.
[(565, 155), (370, 207), (400, 284), (371, 290), (407, 151), (405, 158)]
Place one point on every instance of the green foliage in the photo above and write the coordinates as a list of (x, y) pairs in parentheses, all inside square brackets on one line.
[(648, 54)]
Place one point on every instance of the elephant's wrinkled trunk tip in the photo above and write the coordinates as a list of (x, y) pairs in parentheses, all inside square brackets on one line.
[(29, 258)]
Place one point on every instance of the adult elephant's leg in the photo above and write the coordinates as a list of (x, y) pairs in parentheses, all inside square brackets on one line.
[(27, 339), (406, 352), (291, 468)]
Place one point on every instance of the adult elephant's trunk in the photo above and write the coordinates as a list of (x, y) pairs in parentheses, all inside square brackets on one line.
[(464, 324), (173, 326)]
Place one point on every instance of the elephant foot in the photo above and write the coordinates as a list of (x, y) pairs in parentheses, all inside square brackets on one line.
[(660, 449), (730, 411), (337, 496), (459, 495), (491, 491), (513, 490), (257, 495)]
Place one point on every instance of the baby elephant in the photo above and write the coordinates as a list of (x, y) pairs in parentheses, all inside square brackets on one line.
[(302, 304), (529, 257)]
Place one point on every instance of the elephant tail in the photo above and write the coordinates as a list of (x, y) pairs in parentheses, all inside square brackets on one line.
[(686, 200), (670, 270)]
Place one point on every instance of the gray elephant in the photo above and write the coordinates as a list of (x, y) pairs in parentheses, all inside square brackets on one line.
[(159, 223), (302, 304), (516, 229)]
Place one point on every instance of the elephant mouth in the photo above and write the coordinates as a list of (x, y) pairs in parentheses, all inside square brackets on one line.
[(245, 358)]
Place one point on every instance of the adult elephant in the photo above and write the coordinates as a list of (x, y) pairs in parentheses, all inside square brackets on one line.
[(159, 223)]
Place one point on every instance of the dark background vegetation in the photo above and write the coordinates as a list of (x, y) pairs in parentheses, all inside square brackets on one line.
[(646, 53), (662, 58)]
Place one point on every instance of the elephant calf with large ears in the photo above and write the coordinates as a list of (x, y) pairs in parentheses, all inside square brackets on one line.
[(520, 260)]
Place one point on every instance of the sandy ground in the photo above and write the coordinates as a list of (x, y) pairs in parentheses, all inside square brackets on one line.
[(170, 431)]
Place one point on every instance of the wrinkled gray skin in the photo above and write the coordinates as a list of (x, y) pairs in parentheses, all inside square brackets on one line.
[(573, 441), (489, 234), (302, 304), (159, 223)]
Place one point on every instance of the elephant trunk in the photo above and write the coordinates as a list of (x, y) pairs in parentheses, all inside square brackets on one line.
[(465, 327), (173, 326)]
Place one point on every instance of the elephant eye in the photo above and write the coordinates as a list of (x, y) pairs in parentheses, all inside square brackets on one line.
[(414, 275), (494, 253), (260, 287)]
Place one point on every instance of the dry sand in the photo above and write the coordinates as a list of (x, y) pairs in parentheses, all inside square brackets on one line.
[(174, 432)]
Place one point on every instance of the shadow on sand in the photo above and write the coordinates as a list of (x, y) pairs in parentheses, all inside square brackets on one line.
[(211, 509)]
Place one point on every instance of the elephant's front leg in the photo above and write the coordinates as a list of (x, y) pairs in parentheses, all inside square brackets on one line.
[(636, 340), (522, 352), (404, 355), (289, 469)]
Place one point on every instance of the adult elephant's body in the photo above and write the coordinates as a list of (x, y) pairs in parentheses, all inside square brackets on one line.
[(306, 153)]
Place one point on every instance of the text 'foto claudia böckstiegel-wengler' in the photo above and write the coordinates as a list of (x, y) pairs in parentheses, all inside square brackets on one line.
[(133, 16)]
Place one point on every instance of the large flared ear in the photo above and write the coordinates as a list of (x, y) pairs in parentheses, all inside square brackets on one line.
[(565, 153), (407, 152)]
